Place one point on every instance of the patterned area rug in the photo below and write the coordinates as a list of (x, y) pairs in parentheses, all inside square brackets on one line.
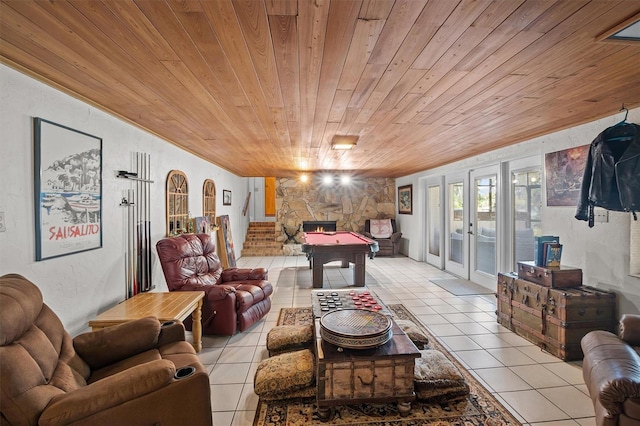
[(479, 408)]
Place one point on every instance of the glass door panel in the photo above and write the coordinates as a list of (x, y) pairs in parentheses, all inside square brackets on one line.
[(485, 224), (456, 222), (484, 232), (435, 222)]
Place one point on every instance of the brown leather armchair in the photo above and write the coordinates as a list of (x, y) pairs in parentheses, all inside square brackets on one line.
[(139, 372), (611, 370), (235, 298), (388, 246)]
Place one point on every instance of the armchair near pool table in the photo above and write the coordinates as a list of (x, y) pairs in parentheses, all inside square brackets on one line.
[(385, 232)]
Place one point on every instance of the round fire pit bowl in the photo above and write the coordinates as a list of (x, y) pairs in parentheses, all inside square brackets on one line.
[(355, 328)]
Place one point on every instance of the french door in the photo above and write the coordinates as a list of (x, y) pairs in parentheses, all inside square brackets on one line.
[(483, 228), (456, 223), (471, 222)]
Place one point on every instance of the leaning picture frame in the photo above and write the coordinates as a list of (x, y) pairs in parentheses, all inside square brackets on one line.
[(405, 199), (67, 190), (226, 197)]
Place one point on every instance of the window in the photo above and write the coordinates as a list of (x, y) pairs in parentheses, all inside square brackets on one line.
[(177, 203), (209, 201), (527, 204)]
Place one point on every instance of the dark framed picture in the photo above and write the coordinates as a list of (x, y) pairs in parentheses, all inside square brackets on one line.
[(67, 190), (564, 170), (226, 197), (405, 199)]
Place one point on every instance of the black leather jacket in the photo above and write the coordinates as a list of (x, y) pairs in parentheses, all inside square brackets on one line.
[(612, 175)]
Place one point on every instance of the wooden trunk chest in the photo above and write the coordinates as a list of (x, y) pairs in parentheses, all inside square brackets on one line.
[(560, 276), (357, 376), (555, 319)]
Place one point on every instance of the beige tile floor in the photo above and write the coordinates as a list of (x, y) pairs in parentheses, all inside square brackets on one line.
[(536, 387)]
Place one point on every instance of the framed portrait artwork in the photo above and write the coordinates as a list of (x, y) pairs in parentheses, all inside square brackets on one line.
[(67, 190), (405, 199), (226, 197)]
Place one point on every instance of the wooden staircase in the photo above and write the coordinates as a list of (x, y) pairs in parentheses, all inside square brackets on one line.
[(261, 240)]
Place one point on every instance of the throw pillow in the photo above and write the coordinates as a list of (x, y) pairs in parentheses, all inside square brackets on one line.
[(282, 374), (286, 338), (381, 228)]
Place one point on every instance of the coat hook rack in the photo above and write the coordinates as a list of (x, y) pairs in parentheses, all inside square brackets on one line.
[(626, 111)]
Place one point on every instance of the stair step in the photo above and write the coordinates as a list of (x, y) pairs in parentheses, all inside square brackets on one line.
[(261, 240), (259, 253)]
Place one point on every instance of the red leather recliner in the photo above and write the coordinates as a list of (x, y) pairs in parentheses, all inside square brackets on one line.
[(235, 299)]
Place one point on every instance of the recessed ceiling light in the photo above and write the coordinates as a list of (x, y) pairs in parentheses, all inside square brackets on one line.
[(343, 142)]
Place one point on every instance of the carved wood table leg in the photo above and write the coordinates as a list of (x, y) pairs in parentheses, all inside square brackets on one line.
[(325, 413), (404, 408), (196, 329)]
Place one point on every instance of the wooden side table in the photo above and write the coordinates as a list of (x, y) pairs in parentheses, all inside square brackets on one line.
[(175, 305)]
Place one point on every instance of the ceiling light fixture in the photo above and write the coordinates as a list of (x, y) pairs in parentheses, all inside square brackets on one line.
[(343, 142)]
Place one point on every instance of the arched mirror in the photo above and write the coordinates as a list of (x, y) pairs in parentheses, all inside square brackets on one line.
[(177, 203), (209, 201)]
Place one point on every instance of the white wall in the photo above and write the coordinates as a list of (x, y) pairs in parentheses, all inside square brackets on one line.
[(80, 286), (602, 251)]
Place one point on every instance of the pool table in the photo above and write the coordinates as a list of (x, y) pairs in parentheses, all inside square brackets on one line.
[(348, 247)]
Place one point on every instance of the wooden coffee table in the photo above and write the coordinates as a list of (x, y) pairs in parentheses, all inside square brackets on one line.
[(175, 305)]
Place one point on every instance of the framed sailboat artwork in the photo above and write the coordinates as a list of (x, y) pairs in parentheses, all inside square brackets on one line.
[(67, 190)]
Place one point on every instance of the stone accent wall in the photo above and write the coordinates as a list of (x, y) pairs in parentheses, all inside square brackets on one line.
[(349, 205)]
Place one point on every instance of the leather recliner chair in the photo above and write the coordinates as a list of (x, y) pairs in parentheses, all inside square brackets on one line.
[(611, 370), (388, 246), (138, 372), (235, 298)]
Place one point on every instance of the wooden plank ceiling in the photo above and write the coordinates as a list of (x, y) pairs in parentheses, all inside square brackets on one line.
[(260, 87)]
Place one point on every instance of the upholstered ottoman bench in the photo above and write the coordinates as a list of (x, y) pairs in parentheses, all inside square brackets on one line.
[(284, 376), (413, 332), (436, 379), (287, 338)]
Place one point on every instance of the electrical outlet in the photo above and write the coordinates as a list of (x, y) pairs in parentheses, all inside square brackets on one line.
[(601, 216), (3, 226)]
